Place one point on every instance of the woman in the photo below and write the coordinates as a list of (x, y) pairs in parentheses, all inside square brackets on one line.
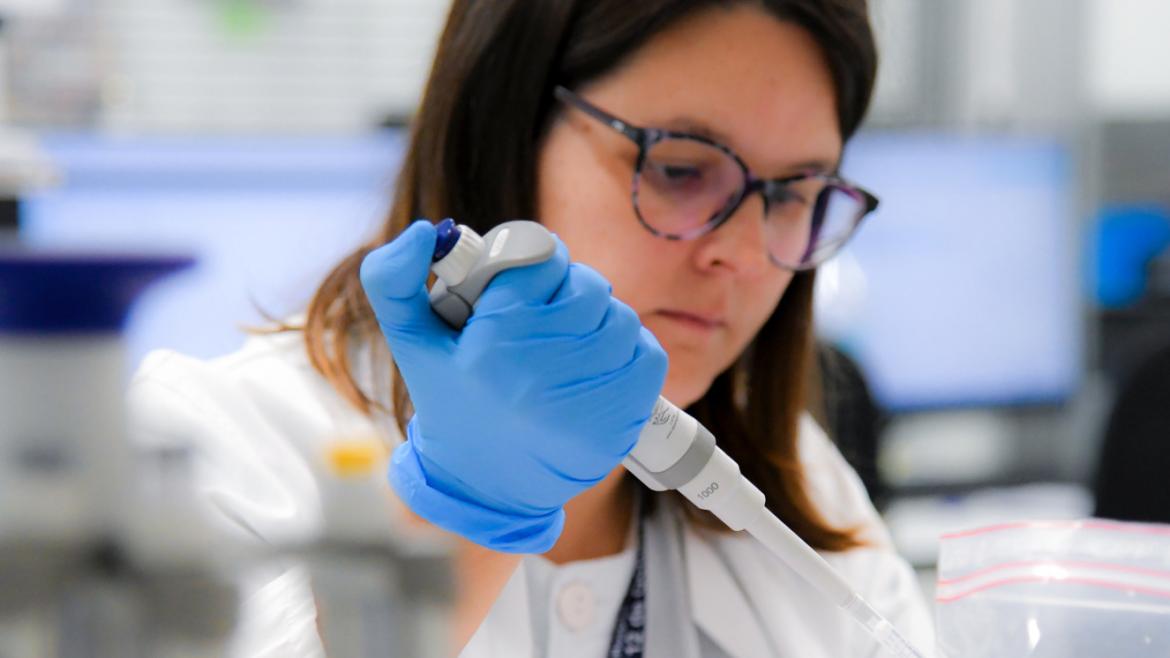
[(684, 151)]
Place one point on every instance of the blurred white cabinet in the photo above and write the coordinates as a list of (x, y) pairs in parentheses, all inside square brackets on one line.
[(1128, 77)]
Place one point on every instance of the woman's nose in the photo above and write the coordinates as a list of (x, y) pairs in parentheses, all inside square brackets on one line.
[(738, 243)]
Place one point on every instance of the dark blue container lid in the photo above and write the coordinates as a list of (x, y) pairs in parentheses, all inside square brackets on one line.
[(58, 292)]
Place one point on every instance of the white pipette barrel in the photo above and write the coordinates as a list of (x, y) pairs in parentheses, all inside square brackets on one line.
[(674, 451)]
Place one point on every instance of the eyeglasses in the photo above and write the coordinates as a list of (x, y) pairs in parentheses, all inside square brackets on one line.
[(687, 185)]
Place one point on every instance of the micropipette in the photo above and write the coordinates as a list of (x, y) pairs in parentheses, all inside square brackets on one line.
[(673, 451)]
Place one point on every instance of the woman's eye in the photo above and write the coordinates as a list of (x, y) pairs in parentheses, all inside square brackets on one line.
[(802, 193), (678, 178), (677, 173), (789, 195)]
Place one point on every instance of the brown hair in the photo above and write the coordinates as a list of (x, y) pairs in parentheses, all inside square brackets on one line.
[(473, 154)]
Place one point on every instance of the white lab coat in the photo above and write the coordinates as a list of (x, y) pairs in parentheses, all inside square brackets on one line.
[(255, 415)]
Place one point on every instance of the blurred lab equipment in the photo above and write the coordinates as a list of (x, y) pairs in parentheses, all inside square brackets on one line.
[(1131, 253), (106, 548), (1129, 249), (24, 169), (1055, 590), (102, 551), (1126, 240), (379, 590)]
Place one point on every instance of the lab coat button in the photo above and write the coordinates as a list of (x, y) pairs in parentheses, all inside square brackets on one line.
[(575, 605)]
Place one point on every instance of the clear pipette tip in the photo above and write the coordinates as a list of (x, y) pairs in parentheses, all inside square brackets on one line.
[(882, 631)]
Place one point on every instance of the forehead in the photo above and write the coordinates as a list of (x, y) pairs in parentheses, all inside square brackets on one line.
[(751, 81)]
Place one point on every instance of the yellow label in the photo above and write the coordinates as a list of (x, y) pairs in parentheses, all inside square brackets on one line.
[(352, 457)]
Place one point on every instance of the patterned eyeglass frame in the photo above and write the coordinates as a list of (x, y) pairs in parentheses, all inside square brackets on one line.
[(646, 138)]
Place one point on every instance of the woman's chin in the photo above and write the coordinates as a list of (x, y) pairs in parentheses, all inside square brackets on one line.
[(685, 391)]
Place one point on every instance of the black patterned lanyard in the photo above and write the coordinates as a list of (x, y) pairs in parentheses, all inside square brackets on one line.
[(629, 631)]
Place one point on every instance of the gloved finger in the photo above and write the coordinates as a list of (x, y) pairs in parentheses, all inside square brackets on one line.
[(531, 285), (578, 308), (562, 357), (628, 391), (607, 348), (583, 302), (650, 362), (633, 389), (394, 278)]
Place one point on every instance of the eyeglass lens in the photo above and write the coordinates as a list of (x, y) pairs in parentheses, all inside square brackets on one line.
[(684, 185)]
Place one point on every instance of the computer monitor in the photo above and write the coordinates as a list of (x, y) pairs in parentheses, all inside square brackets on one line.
[(266, 218), (962, 289)]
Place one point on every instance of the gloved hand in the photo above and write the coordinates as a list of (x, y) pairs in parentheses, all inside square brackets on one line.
[(539, 397)]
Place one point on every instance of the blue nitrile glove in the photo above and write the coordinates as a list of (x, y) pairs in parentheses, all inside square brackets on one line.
[(539, 397)]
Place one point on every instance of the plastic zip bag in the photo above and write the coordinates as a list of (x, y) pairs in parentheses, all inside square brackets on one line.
[(1062, 589)]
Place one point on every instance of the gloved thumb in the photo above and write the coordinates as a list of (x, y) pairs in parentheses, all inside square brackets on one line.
[(394, 277)]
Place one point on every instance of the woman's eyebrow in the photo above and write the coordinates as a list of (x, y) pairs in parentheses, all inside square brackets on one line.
[(693, 126), (699, 128), (816, 166)]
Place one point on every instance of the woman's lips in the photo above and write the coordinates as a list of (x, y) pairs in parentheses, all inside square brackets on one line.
[(697, 321)]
